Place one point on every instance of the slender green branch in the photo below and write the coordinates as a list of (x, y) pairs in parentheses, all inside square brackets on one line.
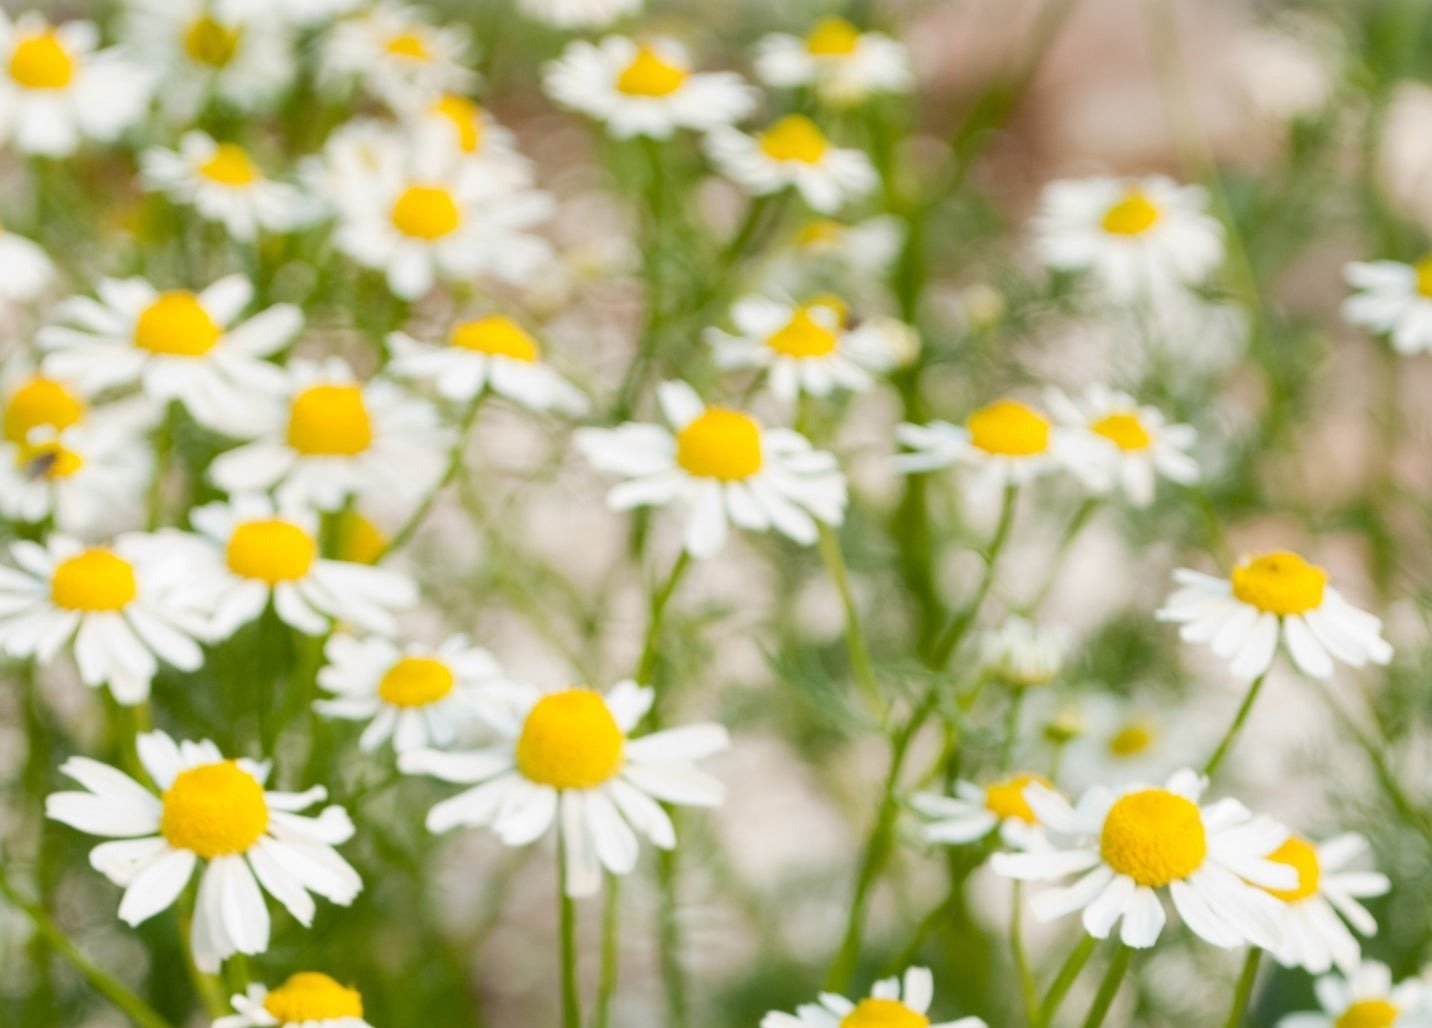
[(673, 971), (660, 598), (1021, 955), (1244, 991), (1109, 987), (1226, 743), (1064, 979), (949, 641), (567, 928), (854, 633), (611, 952), (420, 513)]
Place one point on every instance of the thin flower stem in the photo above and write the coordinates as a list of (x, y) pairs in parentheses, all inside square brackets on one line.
[(673, 972), (459, 448), (660, 598), (1064, 979), (1072, 531), (611, 918), (1244, 992), (854, 635), (1226, 743), (1021, 956), (1109, 986), (949, 641), (567, 927)]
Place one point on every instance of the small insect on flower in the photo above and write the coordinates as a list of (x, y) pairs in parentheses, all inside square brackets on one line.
[(1273, 596), (217, 812), (975, 811), (308, 999), (1134, 445), (724, 467), (393, 53), (793, 152), (892, 1003), (578, 14), (1366, 998), (1327, 893), (844, 64), (1393, 299), (569, 757)]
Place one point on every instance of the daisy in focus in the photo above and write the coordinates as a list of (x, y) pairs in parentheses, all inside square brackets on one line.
[(1273, 596), (216, 812), (844, 64), (393, 53), (1327, 894), (178, 345), (1366, 998), (724, 467), (1130, 846), (308, 999), (568, 758), (578, 14), (26, 270), (1392, 299), (645, 88), (893, 1003), (976, 811), (1135, 445), (793, 152)]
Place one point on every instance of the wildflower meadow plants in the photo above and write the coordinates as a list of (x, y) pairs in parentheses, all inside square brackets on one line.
[(627, 512)]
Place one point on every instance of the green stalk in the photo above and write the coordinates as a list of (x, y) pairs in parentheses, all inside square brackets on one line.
[(854, 635), (611, 951), (949, 641), (454, 465), (1064, 979), (567, 927), (1244, 991), (660, 598), (1226, 743), (673, 973), (1021, 956), (1109, 987)]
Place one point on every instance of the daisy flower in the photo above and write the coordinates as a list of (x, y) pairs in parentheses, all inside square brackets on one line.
[(578, 14), (336, 437), (1137, 237), (793, 152), (222, 182), (568, 757), (476, 135), (1327, 893), (1392, 299), (178, 345), (1273, 596), (863, 247), (724, 467), (493, 352), (1022, 654), (1129, 846), (416, 695), (308, 999), (57, 89), (975, 811), (394, 54), (1122, 741), (1366, 998), (1135, 445), (26, 270), (645, 88), (217, 812), (117, 604), (251, 554), (892, 1003), (844, 64)]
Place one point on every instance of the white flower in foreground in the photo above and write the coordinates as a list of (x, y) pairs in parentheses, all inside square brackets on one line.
[(178, 345), (974, 811), (1129, 846), (1271, 596), (1327, 893), (308, 999), (393, 53), (217, 812), (1366, 998), (843, 63), (568, 758), (493, 352), (646, 88), (1135, 446), (337, 437), (222, 182), (1138, 237), (578, 14), (26, 270), (724, 467), (1022, 654), (117, 604), (1392, 299), (892, 1003), (414, 694), (793, 152), (57, 89)]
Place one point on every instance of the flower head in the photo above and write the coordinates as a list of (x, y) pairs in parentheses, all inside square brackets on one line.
[(975, 811), (893, 1003), (1327, 893), (793, 152), (1133, 445), (1393, 299), (308, 999), (1365, 997), (844, 64)]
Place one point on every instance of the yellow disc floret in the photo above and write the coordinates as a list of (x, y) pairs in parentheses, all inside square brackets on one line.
[(497, 336), (650, 74), (271, 550), (230, 165), (883, 1013), (1132, 739), (1423, 270), (794, 138), (1302, 857), (570, 741), (1005, 799), (832, 37), (48, 460), (330, 421), (720, 443), (94, 581), (409, 45), (214, 810), (1133, 215), (41, 403), (310, 996), (1008, 428), (1125, 430), (1368, 1013), (465, 118), (1154, 837), (803, 336), (1280, 583), (427, 212), (416, 682), (360, 541), (176, 325), (210, 42), (40, 61)]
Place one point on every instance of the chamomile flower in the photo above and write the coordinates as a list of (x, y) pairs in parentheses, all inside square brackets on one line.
[(1122, 740), (863, 247), (805, 348), (222, 183), (117, 604), (26, 270), (1365, 997), (396, 55), (1392, 299), (179, 345), (569, 758), (893, 1003), (216, 812), (578, 14), (793, 152), (492, 352), (1273, 596), (975, 811), (478, 138), (308, 999), (1135, 446), (844, 64), (414, 694), (57, 89), (1137, 237), (1327, 894), (1022, 654), (336, 437), (724, 467), (645, 88)]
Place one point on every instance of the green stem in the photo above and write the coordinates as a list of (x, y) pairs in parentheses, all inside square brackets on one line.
[(1244, 991), (854, 635), (611, 916), (1109, 987), (673, 973), (163, 453), (567, 926), (1021, 956), (949, 640), (660, 598), (1064, 979), (454, 465), (1076, 525), (1226, 743)]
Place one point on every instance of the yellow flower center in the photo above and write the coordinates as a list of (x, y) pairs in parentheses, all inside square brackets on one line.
[(359, 540), (1154, 836), (40, 61), (40, 402), (497, 336), (95, 581), (650, 74), (1423, 268), (230, 166), (176, 325), (1006, 799), (1280, 583), (330, 421), (48, 460), (416, 682), (409, 45), (1132, 739), (1368, 1013), (720, 443), (794, 138), (214, 810), (1133, 215), (833, 37), (310, 996), (1302, 857), (271, 551), (1124, 430), (883, 1013), (466, 119), (1008, 428), (803, 336), (820, 233), (209, 41), (426, 212), (570, 741)]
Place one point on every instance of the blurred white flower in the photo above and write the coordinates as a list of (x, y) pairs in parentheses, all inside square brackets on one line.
[(1327, 893), (1022, 654), (844, 64), (578, 14), (1392, 299), (1404, 152), (1365, 997), (974, 811), (26, 270), (1134, 444), (1282, 75), (392, 52), (793, 152)]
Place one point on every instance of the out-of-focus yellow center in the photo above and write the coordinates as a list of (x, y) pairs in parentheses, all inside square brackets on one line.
[(651, 74), (832, 37), (1368, 1013), (1281, 583), (40, 61), (883, 1013), (409, 45), (230, 166), (310, 996), (214, 810), (570, 741), (1154, 836), (822, 232), (176, 325), (211, 42), (271, 550), (1124, 430), (426, 212), (1133, 215), (720, 443), (416, 682), (1005, 799), (794, 138), (1008, 428), (1302, 857), (40, 402), (1132, 739), (498, 336), (360, 541), (1423, 270), (330, 421), (94, 581), (802, 336), (48, 460), (465, 118)]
